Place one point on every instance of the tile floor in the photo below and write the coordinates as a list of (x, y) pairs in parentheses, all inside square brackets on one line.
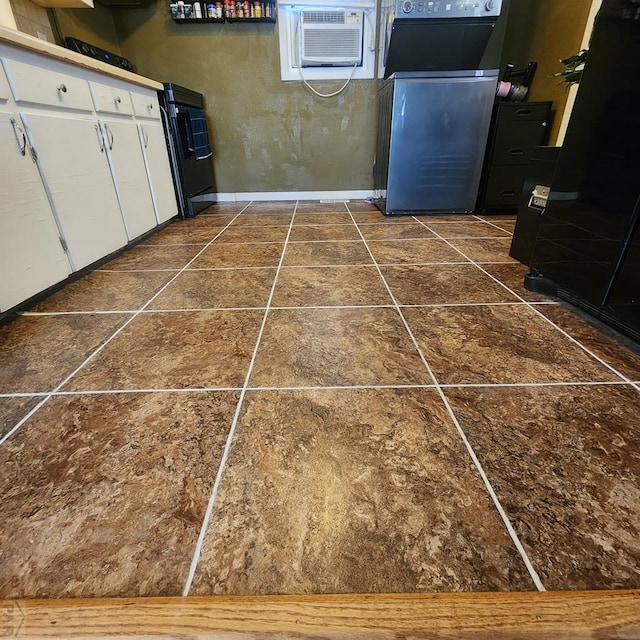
[(309, 398)]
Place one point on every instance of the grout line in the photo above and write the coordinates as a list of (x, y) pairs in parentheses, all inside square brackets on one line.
[(99, 348), (459, 385), (505, 519), (225, 455), (541, 315)]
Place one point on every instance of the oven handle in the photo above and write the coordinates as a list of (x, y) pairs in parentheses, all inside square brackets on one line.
[(173, 160)]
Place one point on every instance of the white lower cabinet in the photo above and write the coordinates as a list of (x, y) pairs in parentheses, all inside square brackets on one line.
[(130, 175), (154, 148), (74, 166), (31, 254)]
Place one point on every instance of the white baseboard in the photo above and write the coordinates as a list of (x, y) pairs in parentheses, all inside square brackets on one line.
[(285, 195)]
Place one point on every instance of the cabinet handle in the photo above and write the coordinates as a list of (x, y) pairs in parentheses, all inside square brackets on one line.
[(100, 140), (145, 137), (508, 194), (109, 136), (117, 99), (62, 88), (150, 106), (516, 152), (523, 112), (22, 144)]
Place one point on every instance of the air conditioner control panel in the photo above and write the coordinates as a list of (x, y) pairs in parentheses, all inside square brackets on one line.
[(422, 9)]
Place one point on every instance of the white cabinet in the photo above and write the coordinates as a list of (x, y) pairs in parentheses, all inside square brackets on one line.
[(31, 255), (111, 99), (5, 91), (130, 175), (158, 169), (73, 162)]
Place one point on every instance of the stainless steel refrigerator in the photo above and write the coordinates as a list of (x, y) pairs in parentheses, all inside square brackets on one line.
[(432, 133)]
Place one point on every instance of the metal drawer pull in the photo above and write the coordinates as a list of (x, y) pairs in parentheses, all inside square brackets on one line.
[(516, 152), (62, 88), (21, 144), (109, 136), (523, 112), (150, 106), (508, 194), (100, 140), (145, 137), (117, 100)]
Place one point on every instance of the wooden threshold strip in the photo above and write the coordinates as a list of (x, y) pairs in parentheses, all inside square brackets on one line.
[(578, 615)]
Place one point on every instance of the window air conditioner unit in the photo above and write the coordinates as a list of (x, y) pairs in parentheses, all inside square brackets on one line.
[(330, 38)]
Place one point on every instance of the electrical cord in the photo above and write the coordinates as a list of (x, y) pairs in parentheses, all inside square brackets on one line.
[(328, 95)]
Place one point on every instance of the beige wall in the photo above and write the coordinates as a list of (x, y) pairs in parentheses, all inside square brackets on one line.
[(558, 33), (91, 25), (268, 135)]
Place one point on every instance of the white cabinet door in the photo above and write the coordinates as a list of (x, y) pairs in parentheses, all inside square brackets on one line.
[(74, 166), (157, 159), (31, 256), (5, 92), (130, 175)]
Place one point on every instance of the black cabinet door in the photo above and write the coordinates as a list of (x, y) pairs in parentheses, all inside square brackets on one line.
[(596, 187)]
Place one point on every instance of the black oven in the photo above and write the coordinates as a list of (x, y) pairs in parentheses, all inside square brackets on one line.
[(189, 148)]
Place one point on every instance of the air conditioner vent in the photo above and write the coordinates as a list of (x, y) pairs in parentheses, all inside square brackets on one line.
[(330, 38)]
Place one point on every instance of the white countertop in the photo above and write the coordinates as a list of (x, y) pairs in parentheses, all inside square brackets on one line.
[(19, 39)]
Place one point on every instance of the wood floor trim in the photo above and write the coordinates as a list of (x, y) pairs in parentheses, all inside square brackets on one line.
[(578, 615)]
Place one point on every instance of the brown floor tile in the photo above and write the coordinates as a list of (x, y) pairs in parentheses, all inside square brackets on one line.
[(239, 255), (191, 349), (394, 231), (491, 250), (324, 232), (12, 410), (144, 257), (564, 462), (443, 284), (499, 344), (263, 220), (616, 350), (106, 291), (321, 207), (271, 206), (223, 208), (230, 288), (110, 501), (207, 221), (360, 206), (499, 217), (507, 225), (322, 218), (471, 229), (319, 253), (329, 286), (180, 234), (325, 347), (38, 352), (512, 274), (413, 251), (355, 491), (254, 234), (375, 216)]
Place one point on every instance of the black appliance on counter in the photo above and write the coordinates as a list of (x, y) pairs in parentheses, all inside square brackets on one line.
[(435, 105), (588, 243), (189, 148), (97, 53)]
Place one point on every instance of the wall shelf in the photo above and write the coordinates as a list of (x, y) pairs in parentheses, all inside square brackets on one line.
[(193, 20)]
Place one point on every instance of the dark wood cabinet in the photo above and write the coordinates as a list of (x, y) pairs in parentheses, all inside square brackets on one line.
[(517, 128)]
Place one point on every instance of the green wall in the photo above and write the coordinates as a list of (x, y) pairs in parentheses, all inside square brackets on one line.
[(91, 25), (268, 135)]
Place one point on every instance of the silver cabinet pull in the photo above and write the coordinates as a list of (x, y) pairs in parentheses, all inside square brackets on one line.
[(18, 132), (150, 106), (100, 140), (62, 88), (109, 136), (117, 99), (145, 137)]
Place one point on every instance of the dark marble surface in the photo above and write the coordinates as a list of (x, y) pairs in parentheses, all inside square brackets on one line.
[(12, 410), (38, 352), (104, 495), (329, 286), (394, 231), (472, 229), (499, 344), (318, 232), (144, 257), (241, 234), (485, 250), (353, 491), (324, 218), (512, 274), (443, 284), (212, 289), (239, 255), (181, 233), (324, 347), (318, 253), (106, 291), (413, 251), (183, 349), (565, 464)]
